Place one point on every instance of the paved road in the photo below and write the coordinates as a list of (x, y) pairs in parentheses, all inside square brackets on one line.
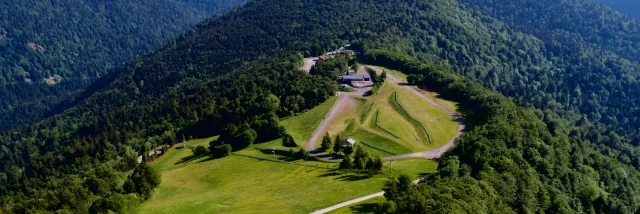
[(347, 203), (308, 63), (354, 201), (344, 103), (430, 154)]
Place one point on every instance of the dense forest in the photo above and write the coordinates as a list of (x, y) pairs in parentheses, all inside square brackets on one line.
[(51, 50), (629, 7), (508, 161), (235, 74)]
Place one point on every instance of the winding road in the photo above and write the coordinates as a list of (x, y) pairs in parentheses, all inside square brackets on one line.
[(343, 104), (429, 154)]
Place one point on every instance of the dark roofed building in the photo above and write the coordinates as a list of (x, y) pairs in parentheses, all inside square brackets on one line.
[(324, 57), (355, 78)]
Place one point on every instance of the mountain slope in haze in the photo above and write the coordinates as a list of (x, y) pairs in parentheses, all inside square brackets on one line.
[(585, 61), (630, 7), (233, 75), (51, 50)]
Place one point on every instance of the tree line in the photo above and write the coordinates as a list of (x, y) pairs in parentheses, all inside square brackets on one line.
[(508, 160)]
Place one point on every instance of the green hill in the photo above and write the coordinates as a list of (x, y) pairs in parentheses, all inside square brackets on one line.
[(239, 184), (236, 75), (360, 123)]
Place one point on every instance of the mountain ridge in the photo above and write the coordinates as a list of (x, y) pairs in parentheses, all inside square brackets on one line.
[(51, 50), (224, 78)]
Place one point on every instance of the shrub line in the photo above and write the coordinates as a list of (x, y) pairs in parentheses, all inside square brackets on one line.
[(378, 148), (383, 129), (412, 118)]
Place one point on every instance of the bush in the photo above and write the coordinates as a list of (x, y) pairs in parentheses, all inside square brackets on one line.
[(200, 151), (374, 165), (221, 151), (288, 141), (346, 163), (327, 144), (292, 153), (302, 154), (337, 144), (142, 181)]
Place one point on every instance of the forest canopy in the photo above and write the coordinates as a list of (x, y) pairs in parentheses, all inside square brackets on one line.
[(571, 147), (50, 51)]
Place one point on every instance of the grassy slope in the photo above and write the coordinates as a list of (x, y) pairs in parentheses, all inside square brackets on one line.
[(412, 138), (451, 106), (246, 185), (301, 127)]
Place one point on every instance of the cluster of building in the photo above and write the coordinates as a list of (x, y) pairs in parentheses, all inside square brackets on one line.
[(158, 151), (333, 54)]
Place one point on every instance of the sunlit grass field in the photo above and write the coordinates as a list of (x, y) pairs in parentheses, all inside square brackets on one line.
[(238, 184), (412, 137), (302, 126)]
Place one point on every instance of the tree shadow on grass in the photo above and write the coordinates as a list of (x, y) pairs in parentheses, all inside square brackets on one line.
[(351, 177), (188, 159), (364, 208), (209, 158), (329, 174), (345, 176), (282, 155)]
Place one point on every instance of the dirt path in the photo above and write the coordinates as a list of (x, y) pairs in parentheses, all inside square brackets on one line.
[(347, 203), (430, 154), (344, 103), (354, 201), (437, 152), (308, 63)]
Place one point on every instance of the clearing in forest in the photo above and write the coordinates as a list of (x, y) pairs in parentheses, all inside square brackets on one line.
[(396, 131), (239, 184)]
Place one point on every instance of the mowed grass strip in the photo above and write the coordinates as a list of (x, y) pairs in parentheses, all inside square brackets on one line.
[(238, 184), (449, 105), (302, 126), (363, 135), (393, 120), (439, 124), (366, 130), (417, 124)]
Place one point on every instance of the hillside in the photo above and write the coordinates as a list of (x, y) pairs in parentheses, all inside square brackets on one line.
[(51, 50), (396, 132), (230, 184), (630, 7), (237, 74)]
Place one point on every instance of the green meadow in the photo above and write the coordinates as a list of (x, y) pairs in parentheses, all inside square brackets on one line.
[(238, 184), (360, 122)]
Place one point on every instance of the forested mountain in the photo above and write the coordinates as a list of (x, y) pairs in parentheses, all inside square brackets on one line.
[(233, 75), (630, 7), (51, 50), (508, 161)]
